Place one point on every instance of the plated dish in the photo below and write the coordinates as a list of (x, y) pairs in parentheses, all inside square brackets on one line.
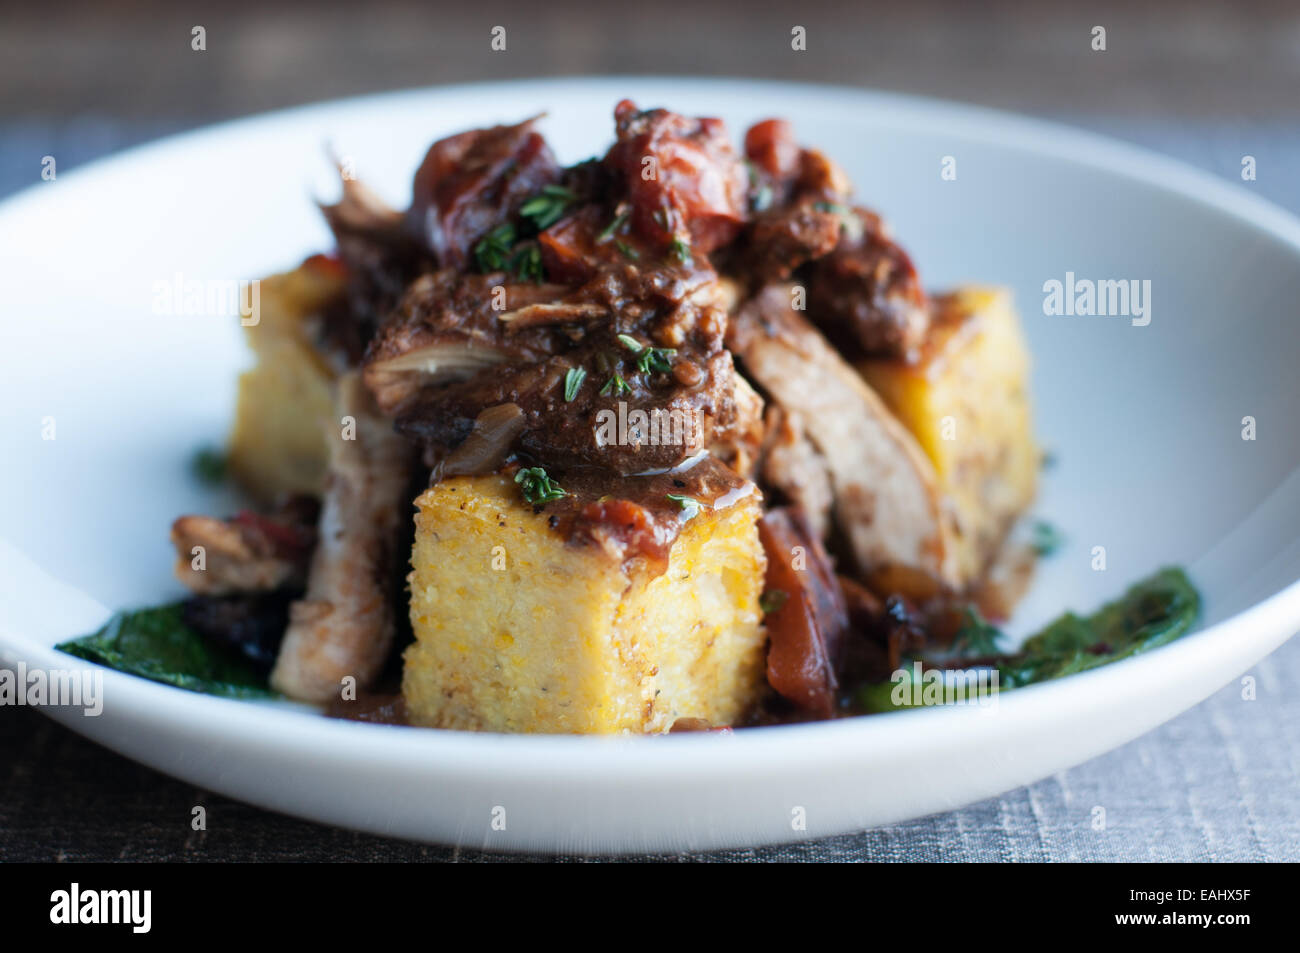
[(1144, 423), (689, 447)]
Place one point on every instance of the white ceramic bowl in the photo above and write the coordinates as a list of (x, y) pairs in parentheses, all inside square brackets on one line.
[(1145, 421)]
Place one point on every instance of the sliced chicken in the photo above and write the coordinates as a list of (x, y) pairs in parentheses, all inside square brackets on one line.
[(887, 500), (344, 624), (795, 468)]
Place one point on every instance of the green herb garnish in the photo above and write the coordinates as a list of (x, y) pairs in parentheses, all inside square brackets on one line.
[(492, 252), (548, 206), (649, 359), (573, 379), (976, 636), (615, 385), (537, 487), (608, 232), (690, 508), (681, 251), (1047, 539), (773, 600), (527, 264), (209, 465), (627, 250), (157, 644)]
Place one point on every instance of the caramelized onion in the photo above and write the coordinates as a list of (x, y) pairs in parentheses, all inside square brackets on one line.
[(486, 447)]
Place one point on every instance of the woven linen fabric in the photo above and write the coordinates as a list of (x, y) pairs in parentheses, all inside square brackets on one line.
[(1218, 783)]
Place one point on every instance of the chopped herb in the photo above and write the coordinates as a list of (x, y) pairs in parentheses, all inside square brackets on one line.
[(616, 385), (690, 508), (492, 253), (612, 227), (1047, 539), (537, 487), (976, 636), (572, 381), (527, 264), (649, 359), (850, 224), (548, 206), (655, 359), (157, 644), (627, 250), (681, 251), (773, 600), (209, 465)]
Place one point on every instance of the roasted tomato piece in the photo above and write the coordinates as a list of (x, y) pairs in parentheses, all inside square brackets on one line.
[(683, 176), (807, 618), (470, 183), (771, 146)]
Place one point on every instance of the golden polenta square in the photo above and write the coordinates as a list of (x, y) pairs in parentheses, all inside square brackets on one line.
[(966, 401), (287, 398), (521, 627)]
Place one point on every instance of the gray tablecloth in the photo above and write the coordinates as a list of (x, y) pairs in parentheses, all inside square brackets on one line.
[(1219, 783)]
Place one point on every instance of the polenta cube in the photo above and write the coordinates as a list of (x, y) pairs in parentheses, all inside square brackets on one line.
[(967, 403), (278, 444), (521, 629)]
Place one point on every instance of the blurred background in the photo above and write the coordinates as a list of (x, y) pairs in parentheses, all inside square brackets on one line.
[(1206, 82), (78, 79)]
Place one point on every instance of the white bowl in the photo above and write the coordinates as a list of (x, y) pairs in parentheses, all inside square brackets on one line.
[(1146, 422)]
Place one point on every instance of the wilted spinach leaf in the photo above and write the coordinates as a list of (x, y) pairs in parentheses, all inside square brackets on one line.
[(157, 644)]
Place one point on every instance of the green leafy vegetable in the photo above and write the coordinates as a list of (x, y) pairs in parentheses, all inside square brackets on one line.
[(548, 206), (573, 379), (157, 644), (976, 635), (537, 487), (1152, 613)]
